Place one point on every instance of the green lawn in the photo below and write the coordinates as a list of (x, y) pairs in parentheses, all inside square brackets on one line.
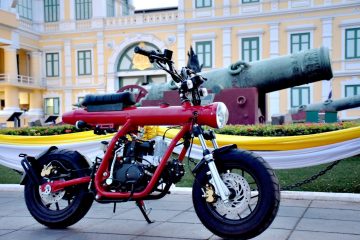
[(345, 177), (8, 175)]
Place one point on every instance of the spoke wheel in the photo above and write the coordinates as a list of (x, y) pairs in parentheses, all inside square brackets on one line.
[(65, 207), (253, 202)]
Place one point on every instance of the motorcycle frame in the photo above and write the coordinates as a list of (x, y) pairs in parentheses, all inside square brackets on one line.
[(131, 118)]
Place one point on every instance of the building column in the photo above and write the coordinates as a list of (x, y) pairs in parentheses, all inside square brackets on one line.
[(10, 66), (274, 97), (100, 57), (36, 106), (327, 42), (181, 45), (35, 66), (67, 63), (226, 46)]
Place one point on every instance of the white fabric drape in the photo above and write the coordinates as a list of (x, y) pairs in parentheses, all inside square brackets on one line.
[(9, 154)]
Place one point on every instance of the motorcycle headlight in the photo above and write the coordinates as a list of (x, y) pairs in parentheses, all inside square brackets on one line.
[(222, 115)]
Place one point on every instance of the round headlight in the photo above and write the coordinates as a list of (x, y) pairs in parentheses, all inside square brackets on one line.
[(222, 115)]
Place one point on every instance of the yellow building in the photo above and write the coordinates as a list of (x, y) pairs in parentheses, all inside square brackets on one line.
[(54, 52)]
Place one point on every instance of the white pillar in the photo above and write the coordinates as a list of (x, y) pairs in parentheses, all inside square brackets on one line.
[(226, 46), (226, 8), (326, 42), (68, 99), (274, 97), (67, 63), (100, 57), (181, 9), (181, 45)]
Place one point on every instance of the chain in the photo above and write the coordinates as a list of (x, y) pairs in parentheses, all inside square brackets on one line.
[(312, 178)]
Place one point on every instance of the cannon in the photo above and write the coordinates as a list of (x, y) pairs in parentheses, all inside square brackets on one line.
[(329, 108), (243, 86)]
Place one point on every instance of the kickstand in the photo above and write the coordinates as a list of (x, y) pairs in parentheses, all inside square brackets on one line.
[(143, 210)]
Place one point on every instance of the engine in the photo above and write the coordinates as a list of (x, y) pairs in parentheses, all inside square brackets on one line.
[(135, 162)]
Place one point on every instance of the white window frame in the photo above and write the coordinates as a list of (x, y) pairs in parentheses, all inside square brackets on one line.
[(54, 95), (354, 63), (77, 63), (205, 11), (307, 28), (207, 37), (251, 34)]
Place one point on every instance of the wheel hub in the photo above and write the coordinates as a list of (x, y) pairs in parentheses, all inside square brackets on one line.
[(48, 197), (239, 199)]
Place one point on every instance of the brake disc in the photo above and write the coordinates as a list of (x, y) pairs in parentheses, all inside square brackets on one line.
[(48, 197), (239, 199)]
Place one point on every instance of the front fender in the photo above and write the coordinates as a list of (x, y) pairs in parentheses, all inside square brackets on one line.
[(219, 155)]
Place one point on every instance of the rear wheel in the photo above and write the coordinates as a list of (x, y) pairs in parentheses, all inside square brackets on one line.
[(253, 202), (67, 206)]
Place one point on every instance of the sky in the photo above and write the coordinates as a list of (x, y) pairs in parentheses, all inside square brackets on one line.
[(143, 4)]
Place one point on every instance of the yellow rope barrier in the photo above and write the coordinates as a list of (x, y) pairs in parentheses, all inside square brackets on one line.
[(245, 142), (280, 143)]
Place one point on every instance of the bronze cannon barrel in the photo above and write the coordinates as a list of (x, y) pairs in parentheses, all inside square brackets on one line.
[(330, 105), (273, 74)]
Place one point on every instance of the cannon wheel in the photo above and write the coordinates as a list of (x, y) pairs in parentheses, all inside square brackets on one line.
[(137, 90)]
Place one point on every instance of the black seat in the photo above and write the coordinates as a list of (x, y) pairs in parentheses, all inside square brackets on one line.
[(108, 102), (126, 98)]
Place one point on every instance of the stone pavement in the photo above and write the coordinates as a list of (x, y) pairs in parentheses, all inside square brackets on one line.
[(176, 219)]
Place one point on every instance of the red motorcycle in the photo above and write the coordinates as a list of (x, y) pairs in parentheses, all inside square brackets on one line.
[(235, 192)]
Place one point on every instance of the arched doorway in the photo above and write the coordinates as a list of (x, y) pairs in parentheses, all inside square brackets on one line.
[(136, 69)]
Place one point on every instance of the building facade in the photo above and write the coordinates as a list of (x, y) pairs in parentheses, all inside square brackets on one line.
[(54, 52)]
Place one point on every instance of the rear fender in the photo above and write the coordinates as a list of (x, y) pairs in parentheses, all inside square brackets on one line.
[(34, 161)]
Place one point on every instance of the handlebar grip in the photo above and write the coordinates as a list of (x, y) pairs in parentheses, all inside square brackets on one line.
[(142, 51)]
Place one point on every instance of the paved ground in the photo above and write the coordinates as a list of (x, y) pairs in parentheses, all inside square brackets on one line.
[(175, 219)]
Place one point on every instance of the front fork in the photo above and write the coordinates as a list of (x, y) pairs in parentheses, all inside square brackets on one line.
[(220, 187)]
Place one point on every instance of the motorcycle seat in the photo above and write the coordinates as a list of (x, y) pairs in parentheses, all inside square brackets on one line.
[(108, 102)]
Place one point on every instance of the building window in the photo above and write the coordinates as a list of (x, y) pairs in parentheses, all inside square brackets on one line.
[(80, 100), (133, 62), (300, 96), (299, 42), (250, 1), (352, 90), (24, 8), (51, 10), (52, 64), (250, 49), (110, 8), (125, 8), (352, 43), (203, 3), (84, 62), (83, 9), (204, 53), (52, 106)]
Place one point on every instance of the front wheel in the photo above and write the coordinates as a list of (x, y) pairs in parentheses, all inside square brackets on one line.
[(65, 207), (253, 202)]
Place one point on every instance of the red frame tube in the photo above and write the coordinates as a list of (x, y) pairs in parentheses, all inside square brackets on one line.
[(130, 119)]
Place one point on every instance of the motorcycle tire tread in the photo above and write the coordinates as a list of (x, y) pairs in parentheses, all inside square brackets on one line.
[(75, 211), (267, 217)]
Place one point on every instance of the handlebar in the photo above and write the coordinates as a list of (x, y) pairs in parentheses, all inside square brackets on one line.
[(189, 81), (144, 52)]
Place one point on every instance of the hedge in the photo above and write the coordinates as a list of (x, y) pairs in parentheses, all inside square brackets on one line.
[(241, 130), (40, 131), (284, 130)]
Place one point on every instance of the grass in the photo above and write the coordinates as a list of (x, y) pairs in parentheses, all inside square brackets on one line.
[(8, 175), (342, 178)]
